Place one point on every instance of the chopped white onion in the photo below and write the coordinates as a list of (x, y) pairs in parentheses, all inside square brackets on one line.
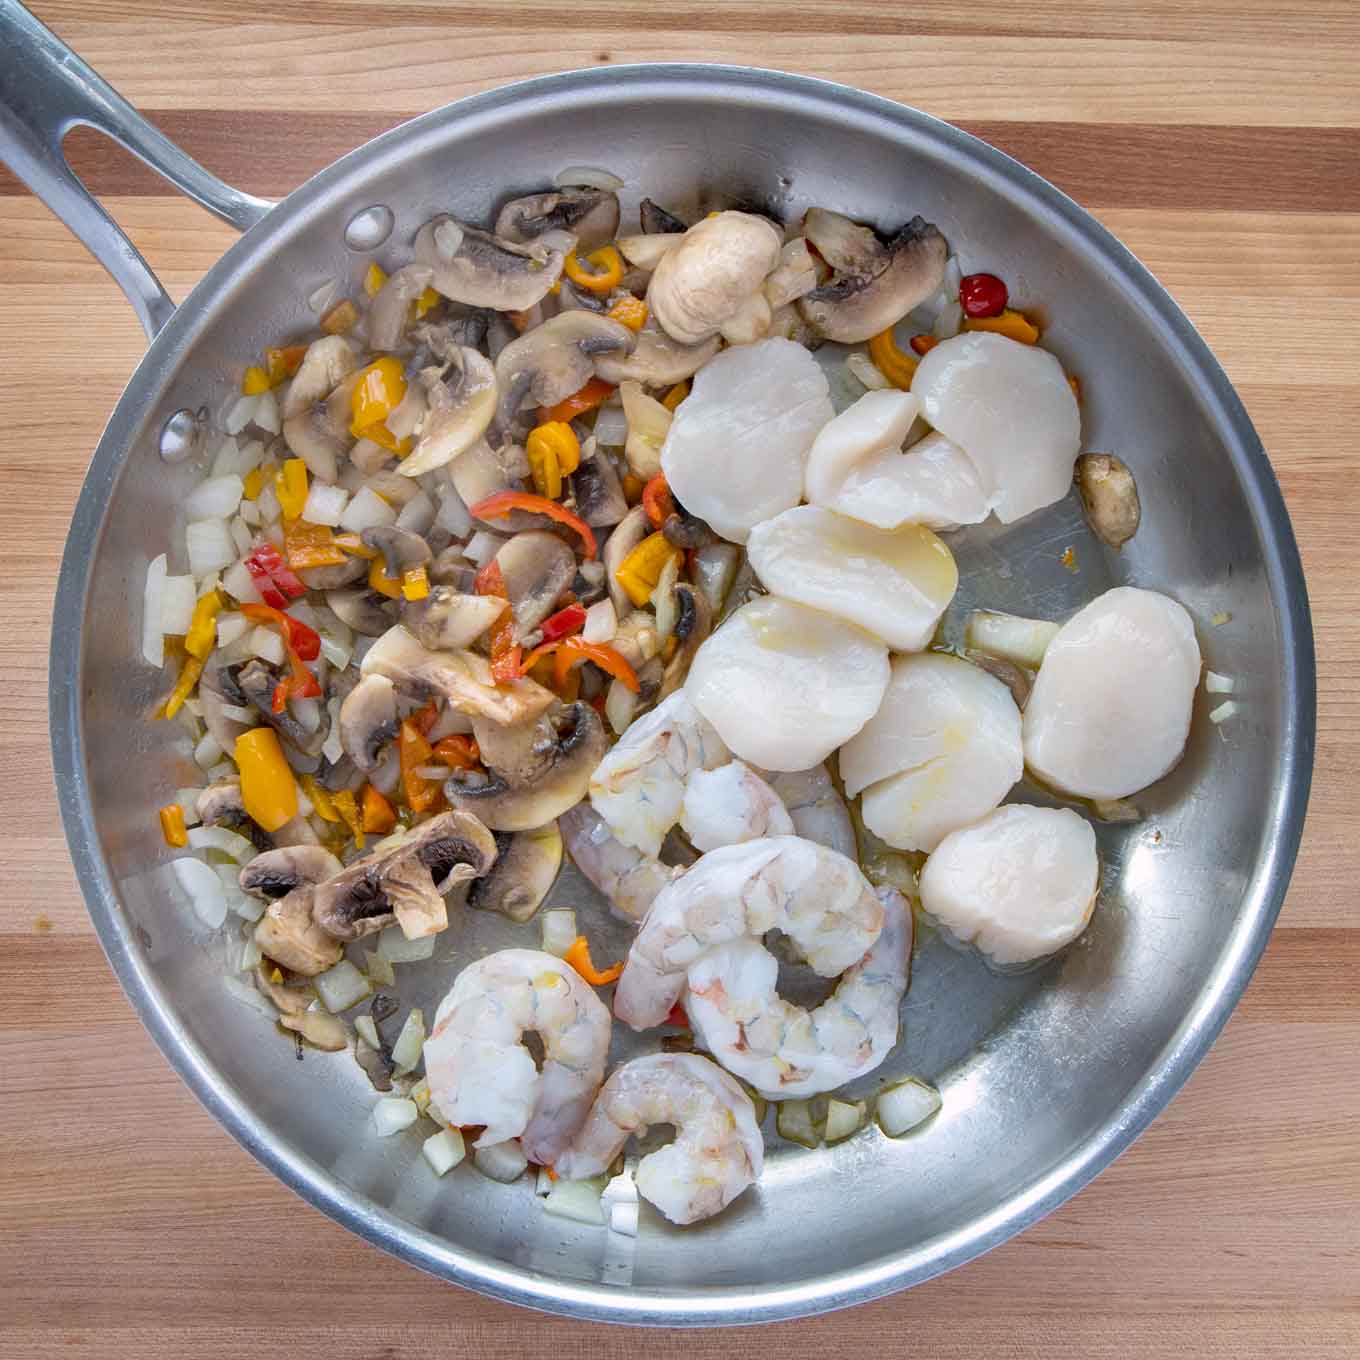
[(392, 1114), (1223, 712), (240, 585), (325, 504), (558, 238), (249, 514), (208, 752), (178, 598), (396, 948), (866, 372), (341, 987), (559, 931), (577, 1200), (385, 774), (482, 547), (267, 412), (443, 1150), (248, 908), (333, 748), (503, 1162), (245, 993), (216, 498), (906, 1105), (204, 889), (663, 601), (241, 535), (611, 427), (188, 802), (448, 238), (949, 322), (337, 654), (308, 714), (450, 723), (319, 299), (1213, 682), (210, 544), (379, 970), (1009, 637), (366, 1028), (367, 510), (453, 513), (219, 838), (226, 459), (794, 1119), (153, 639), (267, 503), (237, 713), (406, 1051), (417, 515), (240, 414), (843, 1119), (620, 705), (587, 177), (602, 622), (224, 770), (623, 1219), (267, 644)]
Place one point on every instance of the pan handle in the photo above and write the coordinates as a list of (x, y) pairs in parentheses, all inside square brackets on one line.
[(45, 91)]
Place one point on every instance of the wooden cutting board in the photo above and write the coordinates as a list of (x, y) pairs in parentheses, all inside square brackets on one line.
[(1219, 139)]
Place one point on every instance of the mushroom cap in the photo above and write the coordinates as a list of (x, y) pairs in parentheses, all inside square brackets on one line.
[(364, 610), (875, 283), (402, 549), (657, 360), (327, 363), (708, 277), (349, 571), (591, 215), (257, 681), (597, 490), (287, 934), (458, 414), (553, 360), (577, 747), (368, 720), (276, 873), (446, 619), (527, 865), (390, 309), (481, 270), (536, 567)]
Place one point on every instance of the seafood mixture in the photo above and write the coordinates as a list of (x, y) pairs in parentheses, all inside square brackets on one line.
[(635, 548)]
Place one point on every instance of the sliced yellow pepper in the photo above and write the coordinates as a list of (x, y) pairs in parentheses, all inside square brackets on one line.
[(254, 381), (374, 278), (1012, 324), (379, 580), (347, 805), (253, 484), (355, 546), (898, 367), (290, 486), (322, 802), (172, 826), (184, 686), (415, 584), (202, 634), (675, 396), (631, 311), (605, 272), (379, 391), (267, 786), (425, 301), (553, 450), (639, 572)]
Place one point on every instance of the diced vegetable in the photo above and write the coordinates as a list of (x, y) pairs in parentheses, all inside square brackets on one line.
[(340, 319), (601, 272), (1218, 684), (797, 1121), (572, 651), (406, 1051), (578, 956), (843, 1119), (215, 498), (443, 1150), (377, 816), (906, 1105), (184, 686), (648, 424), (891, 362), (630, 311), (503, 502), (392, 1114), (366, 510), (172, 826), (202, 633), (620, 706), (1009, 637), (553, 451), (396, 948), (325, 504), (623, 1219), (378, 393), (153, 639), (657, 500), (865, 372), (586, 398), (374, 278), (639, 572), (379, 970), (576, 1200), (1013, 325), (1224, 711), (267, 786), (221, 839), (204, 890), (601, 622), (559, 931), (341, 987), (348, 807), (503, 1162), (210, 546), (564, 623), (178, 598), (415, 584), (267, 644)]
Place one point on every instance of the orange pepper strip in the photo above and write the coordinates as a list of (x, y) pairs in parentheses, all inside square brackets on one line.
[(503, 502), (415, 751), (657, 500), (573, 651), (675, 396), (378, 815), (172, 826), (1012, 324), (605, 272), (348, 808), (583, 399), (458, 752), (631, 311), (310, 545), (923, 344), (578, 955)]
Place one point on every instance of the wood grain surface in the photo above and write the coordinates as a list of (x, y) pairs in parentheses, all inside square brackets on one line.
[(1221, 140)]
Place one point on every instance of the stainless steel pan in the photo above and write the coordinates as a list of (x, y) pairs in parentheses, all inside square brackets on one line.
[(1048, 1076)]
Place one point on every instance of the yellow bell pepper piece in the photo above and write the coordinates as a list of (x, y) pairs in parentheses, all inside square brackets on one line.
[(639, 572), (254, 381), (415, 584), (283, 362), (553, 450), (198, 641), (379, 391), (172, 826), (184, 686), (321, 800), (898, 367), (310, 545), (605, 272), (631, 311), (425, 301), (384, 437), (379, 580), (267, 786), (355, 546), (347, 805), (675, 396), (1013, 325), (374, 278), (290, 486), (253, 484)]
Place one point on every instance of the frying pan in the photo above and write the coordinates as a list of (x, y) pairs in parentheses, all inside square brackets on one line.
[(1047, 1076)]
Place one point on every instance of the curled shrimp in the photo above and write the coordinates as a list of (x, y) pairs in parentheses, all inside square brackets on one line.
[(814, 895), (717, 1152), (730, 804), (782, 1049), (479, 1070), (639, 787), (627, 877), (816, 807)]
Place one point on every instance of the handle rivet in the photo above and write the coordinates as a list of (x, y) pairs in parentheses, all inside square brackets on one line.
[(179, 434), (370, 227)]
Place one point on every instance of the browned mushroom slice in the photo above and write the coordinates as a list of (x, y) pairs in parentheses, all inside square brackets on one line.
[(598, 492), (461, 403), (526, 867), (368, 720), (550, 362), (655, 220), (481, 270), (364, 610), (536, 568), (447, 620), (591, 215), (288, 934), (316, 410), (390, 309)]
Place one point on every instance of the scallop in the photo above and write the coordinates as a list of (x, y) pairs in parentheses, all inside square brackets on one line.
[(943, 750), (857, 468), (1009, 407), (1020, 884), (1110, 710), (786, 685), (736, 449), (895, 583)]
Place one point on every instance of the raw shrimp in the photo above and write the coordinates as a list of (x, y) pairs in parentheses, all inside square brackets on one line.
[(729, 805), (717, 1150), (815, 896), (782, 1049), (627, 877), (816, 807), (480, 1071), (639, 787)]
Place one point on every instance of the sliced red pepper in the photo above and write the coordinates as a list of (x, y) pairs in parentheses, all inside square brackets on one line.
[(657, 500), (564, 623), (490, 581), (306, 642), (301, 684), (507, 656), (573, 651), (264, 583), (415, 751), (458, 752), (503, 502), (923, 344), (266, 567)]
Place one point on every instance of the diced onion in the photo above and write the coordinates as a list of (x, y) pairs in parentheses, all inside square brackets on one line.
[(1223, 712), (443, 1150), (216, 498), (503, 1162), (267, 644), (267, 503), (602, 622), (577, 1200), (448, 238), (240, 585), (558, 238), (207, 753), (153, 640), (1213, 682), (307, 712), (559, 931), (226, 459), (224, 770), (241, 535), (319, 299), (379, 970), (341, 987), (623, 1219), (949, 322), (906, 1105), (245, 993), (843, 1119), (337, 654), (620, 704), (367, 510), (333, 748), (866, 372), (204, 889), (267, 412), (453, 513), (715, 568), (406, 1051), (1009, 637), (611, 427), (367, 1029), (236, 713), (188, 802), (325, 504), (240, 414), (482, 547), (210, 544), (392, 1114), (417, 515), (219, 838), (663, 599), (248, 908), (249, 514), (178, 598), (587, 177), (796, 1122), (396, 948)]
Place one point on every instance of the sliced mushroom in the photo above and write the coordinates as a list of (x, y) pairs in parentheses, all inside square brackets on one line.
[(287, 934), (368, 720), (462, 402), (693, 624), (288, 1000), (276, 873), (340, 774), (316, 410), (462, 678), (221, 804), (657, 360), (391, 307), (536, 568), (633, 528), (578, 744), (686, 530), (570, 297), (483, 471), (257, 681), (875, 283), (527, 865), (655, 220), (645, 252), (402, 550), (712, 274), (1109, 495), (349, 571), (364, 610), (597, 490), (408, 874), (225, 730), (450, 568), (556, 359), (322, 1031), (482, 270), (591, 215), (447, 620)]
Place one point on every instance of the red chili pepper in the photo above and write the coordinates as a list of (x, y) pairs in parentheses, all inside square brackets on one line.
[(573, 651), (503, 502), (982, 295), (306, 642), (657, 500), (564, 623)]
